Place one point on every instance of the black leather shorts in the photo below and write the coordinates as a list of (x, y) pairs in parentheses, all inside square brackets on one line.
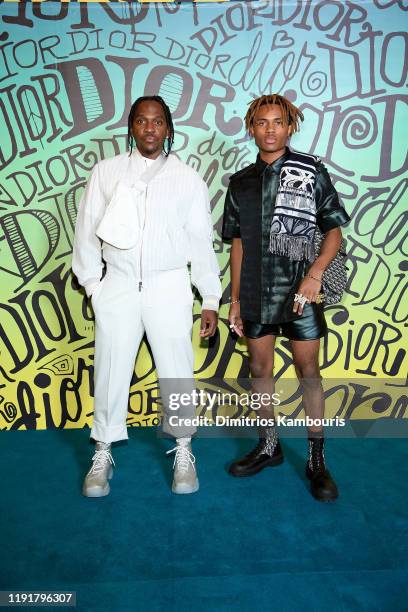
[(310, 325)]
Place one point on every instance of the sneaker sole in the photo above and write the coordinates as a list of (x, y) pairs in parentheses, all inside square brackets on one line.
[(183, 489), (96, 492)]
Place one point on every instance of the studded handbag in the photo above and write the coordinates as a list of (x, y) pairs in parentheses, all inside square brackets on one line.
[(334, 280)]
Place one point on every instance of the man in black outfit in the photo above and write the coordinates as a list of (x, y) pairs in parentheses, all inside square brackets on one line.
[(271, 212)]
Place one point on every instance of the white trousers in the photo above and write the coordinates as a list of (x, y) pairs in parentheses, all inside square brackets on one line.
[(162, 310)]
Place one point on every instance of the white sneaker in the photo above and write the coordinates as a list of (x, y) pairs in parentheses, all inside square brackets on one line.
[(185, 476), (96, 481)]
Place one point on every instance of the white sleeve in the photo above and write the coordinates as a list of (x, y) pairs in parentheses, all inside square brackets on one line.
[(87, 262), (204, 265)]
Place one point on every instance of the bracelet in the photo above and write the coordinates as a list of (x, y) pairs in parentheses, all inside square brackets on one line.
[(234, 301), (314, 277)]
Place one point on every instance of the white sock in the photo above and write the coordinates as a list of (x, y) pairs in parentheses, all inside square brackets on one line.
[(183, 441)]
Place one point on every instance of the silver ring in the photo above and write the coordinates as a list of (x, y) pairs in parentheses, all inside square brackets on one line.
[(300, 298)]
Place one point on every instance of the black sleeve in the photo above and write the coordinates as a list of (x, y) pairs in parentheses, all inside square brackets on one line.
[(329, 212), (231, 226)]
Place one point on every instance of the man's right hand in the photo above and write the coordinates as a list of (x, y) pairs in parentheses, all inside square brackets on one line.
[(235, 321)]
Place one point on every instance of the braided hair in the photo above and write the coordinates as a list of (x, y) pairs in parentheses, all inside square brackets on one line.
[(167, 115), (291, 115)]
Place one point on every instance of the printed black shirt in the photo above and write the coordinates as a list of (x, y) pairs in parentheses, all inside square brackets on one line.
[(268, 281)]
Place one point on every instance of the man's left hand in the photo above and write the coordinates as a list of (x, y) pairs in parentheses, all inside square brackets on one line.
[(309, 288), (209, 320)]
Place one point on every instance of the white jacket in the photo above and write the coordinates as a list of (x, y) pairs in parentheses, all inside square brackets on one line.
[(139, 229)]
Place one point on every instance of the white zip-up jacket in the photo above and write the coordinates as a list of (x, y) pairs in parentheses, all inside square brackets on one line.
[(140, 228)]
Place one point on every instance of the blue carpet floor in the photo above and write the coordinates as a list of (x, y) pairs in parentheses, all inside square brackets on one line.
[(238, 544)]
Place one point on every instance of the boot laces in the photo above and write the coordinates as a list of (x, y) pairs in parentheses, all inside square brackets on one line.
[(100, 459), (316, 455), (183, 457)]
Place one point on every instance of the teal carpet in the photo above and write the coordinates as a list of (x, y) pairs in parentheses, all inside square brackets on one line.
[(238, 544)]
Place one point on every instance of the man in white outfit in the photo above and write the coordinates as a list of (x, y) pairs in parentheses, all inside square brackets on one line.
[(143, 217)]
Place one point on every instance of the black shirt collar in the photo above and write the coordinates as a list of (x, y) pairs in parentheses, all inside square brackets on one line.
[(276, 166)]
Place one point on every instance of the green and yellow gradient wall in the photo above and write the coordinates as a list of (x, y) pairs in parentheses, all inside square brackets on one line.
[(68, 74)]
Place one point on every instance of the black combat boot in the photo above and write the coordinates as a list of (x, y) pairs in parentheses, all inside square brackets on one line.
[(267, 453), (322, 485)]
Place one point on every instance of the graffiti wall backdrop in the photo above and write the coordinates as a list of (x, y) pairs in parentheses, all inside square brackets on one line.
[(68, 74)]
